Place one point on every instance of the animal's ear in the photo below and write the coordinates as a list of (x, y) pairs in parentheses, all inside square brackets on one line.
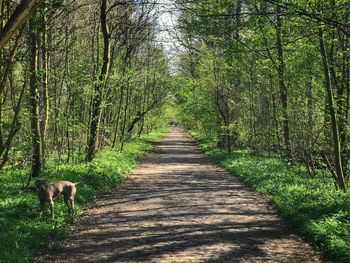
[(41, 184)]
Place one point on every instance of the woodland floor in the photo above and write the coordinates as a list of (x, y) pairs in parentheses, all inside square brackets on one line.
[(177, 206)]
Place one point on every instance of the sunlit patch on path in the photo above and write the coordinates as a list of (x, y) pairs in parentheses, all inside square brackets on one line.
[(179, 207)]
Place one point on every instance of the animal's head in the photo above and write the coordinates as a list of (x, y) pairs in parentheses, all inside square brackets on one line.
[(40, 184)]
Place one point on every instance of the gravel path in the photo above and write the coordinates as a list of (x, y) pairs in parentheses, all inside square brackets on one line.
[(179, 207)]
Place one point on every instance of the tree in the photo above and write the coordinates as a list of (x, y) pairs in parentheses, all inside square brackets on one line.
[(34, 100), (19, 17), (101, 83)]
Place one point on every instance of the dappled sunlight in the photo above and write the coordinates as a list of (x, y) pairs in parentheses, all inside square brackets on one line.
[(177, 206)]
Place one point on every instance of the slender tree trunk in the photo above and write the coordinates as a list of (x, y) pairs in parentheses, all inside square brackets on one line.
[(282, 84), (34, 103), (334, 123), (118, 117), (122, 134), (99, 87), (143, 99), (20, 16), (45, 91), (343, 104)]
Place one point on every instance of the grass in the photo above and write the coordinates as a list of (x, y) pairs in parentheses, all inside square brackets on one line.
[(317, 211), (23, 233)]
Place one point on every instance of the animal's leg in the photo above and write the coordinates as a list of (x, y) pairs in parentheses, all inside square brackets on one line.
[(72, 205), (67, 202), (52, 205), (72, 197), (42, 205)]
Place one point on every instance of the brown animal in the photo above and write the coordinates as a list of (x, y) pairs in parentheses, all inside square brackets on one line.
[(47, 192)]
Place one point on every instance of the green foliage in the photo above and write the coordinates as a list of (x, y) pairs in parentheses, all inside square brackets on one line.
[(196, 104), (318, 212), (253, 74), (22, 232)]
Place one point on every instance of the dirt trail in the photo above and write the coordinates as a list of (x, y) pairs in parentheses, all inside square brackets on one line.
[(179, 207)]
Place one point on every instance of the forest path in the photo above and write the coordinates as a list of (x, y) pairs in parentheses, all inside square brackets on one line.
[(179, 207)]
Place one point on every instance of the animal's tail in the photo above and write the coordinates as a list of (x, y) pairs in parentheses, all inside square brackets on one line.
[(77, 183)]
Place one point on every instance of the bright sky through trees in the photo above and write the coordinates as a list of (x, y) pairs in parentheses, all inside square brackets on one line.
[(166, 28)]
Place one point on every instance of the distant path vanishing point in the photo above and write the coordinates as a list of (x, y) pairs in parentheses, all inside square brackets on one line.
[(177, 206)]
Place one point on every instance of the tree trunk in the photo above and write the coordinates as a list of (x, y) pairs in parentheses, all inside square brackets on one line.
[(118, 117), (45, 90), (34, 102), (125, 116), (335, 131), (282, 85), (19, 17), (99, 87)]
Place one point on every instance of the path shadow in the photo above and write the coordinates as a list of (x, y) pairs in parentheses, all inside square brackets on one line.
[(177, 207)]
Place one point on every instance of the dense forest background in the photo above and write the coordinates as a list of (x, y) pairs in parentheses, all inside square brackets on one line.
[(76, 77), (271, 76)]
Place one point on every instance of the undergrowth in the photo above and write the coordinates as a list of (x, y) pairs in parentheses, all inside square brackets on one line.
[(312, 205), (22, 232)]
